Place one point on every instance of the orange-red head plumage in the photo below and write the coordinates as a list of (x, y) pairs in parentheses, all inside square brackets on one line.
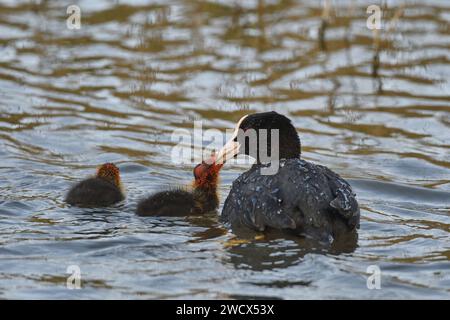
[(206, 174), (109, 172)]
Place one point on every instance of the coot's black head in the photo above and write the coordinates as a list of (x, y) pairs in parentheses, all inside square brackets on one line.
[(249, 130)]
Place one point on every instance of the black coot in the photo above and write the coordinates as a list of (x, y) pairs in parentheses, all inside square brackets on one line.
[(100, 191), (305, 198)]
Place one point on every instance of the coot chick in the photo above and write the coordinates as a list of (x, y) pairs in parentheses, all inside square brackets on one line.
[(307, 199), (100, 191), (202, 199)]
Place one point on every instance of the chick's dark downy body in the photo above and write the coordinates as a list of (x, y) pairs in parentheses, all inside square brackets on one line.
[(94, 192), (100, 191), (178, 203), (202, 199)]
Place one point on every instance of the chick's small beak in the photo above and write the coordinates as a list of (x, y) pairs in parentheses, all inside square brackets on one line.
[(212, 161)]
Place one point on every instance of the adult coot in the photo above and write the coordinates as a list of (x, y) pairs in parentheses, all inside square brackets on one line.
[(305, 198)]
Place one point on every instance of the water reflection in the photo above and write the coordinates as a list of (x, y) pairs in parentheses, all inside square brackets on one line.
[(278, 250)]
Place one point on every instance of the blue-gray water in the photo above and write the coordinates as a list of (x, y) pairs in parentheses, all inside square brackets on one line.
[(374, 107)]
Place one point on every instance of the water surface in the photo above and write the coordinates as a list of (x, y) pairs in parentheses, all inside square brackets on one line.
[(373, 106)]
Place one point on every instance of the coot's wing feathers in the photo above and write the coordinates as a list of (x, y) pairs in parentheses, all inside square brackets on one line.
[(254, 201), (301, 195), (344, 202)]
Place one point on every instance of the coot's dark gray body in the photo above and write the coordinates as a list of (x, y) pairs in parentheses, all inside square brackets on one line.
[(309, 199), (94, 192)]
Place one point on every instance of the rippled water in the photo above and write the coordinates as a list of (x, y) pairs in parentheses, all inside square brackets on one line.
[(373, 106)]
